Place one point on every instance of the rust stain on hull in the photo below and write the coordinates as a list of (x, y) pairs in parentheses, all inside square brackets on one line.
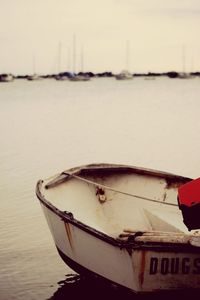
[(142, 267), (170, 184), (69, 234)]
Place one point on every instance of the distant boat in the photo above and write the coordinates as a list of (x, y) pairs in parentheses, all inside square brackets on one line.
[(184, 75), (76, 77), (124, 75), (81, 76), (123, 224), (61, 77), (33, 77), (6, 77)]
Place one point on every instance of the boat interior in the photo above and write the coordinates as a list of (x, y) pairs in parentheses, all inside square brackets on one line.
[(119, 203)]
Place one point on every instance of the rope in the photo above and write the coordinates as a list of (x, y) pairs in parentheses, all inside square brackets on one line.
[(117, 191)]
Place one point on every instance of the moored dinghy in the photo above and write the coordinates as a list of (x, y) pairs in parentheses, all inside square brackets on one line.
[(123, 224)]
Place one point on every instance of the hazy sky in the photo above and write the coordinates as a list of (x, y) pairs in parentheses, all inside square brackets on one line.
[(36, 34)]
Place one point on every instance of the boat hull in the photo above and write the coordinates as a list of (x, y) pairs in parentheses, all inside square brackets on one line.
[(138, 268), (142, 263)]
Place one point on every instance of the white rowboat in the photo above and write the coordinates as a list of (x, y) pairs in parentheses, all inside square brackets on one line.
[(123, 224)]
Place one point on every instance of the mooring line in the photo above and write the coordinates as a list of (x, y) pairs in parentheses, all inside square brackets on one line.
[(117, 191)]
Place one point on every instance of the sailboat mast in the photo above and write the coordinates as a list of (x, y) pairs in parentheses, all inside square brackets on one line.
[(74, 53), (82, 59), (69, 59), (33, 64), (183, 59), (127, 55), (59, 57)]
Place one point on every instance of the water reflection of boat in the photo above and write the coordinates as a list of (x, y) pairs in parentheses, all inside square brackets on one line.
[(79, 287), (150, 78)]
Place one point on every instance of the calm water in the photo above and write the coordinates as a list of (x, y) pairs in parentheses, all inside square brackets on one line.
[(47, 126)]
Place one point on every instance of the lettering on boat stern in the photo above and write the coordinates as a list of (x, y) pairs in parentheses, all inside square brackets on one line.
[(69, 234), (174, 265)]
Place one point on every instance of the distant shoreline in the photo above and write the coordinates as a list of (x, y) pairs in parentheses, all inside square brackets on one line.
[(62, 75)]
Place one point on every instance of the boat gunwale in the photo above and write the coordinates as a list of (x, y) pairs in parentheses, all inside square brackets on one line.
[(127, 244), (90, 168)]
